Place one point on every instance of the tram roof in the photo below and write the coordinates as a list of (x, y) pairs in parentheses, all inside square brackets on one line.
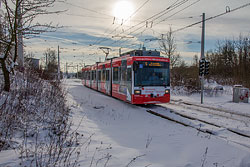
[(142, 52)]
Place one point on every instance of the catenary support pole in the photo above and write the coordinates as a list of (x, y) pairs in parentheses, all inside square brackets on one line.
[(58, 66), (202, 54)]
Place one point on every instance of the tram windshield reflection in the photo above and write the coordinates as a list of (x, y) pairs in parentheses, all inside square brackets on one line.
[(150, 73)]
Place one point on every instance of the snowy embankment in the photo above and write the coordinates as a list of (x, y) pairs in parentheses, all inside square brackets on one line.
[(34, 124), (120, 134)]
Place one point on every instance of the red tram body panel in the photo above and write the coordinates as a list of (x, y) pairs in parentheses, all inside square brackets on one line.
[(137, 77)]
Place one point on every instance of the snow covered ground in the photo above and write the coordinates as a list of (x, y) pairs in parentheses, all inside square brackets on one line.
[(120, 134), (223, 101)]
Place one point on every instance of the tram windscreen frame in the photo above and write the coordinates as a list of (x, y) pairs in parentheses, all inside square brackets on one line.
[(151, 73)]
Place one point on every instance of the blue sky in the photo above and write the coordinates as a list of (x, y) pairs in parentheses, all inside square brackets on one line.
[(90, 24)]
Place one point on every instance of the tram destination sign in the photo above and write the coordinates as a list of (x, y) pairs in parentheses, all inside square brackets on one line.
[(153, 64)]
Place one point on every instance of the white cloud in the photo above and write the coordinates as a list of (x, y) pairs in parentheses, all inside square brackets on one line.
[(94, 19)]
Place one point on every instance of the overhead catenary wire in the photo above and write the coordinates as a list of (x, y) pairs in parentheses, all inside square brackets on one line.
[(210, 18), (213, 17), (161, 13), (78, 15), (133, 14), (90, 10), (185, 27), (173, 6), (138, 9), (183, 18), (143, 22), (176, 4), (164, 19), (179, 12)]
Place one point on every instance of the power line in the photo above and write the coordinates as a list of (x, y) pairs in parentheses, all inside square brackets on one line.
[(124, 22), (170, 8), (210, 18), (179, 12), (160, 13), (165, 18), (182, 18), (174, 7), (90, 10), (137, 10), (142, 22), (78, 15), (213, 17)]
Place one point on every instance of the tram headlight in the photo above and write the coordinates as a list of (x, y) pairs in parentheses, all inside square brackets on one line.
[(137, 92), (167, 91)]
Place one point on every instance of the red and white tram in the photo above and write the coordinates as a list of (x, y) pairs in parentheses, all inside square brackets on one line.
[(137, 77)]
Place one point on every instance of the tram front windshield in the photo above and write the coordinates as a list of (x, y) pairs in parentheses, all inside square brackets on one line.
[(151, 73)]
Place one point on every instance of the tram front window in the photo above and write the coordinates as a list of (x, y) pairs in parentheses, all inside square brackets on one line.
[(150, 73)]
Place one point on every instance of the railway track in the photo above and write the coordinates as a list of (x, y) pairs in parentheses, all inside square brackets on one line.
[(174, 102), (231, 126), (233, 121)]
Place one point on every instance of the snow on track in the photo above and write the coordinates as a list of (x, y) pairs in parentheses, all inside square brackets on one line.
[(132, 132), (227, 124)]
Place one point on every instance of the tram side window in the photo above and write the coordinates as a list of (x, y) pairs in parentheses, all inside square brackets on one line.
[(92, 75), (103, 74), (88, 77), (107, 75), (99, 75), (119, 73), (124, 70), (129, 74), (123, 74), (83, 75), (115, 74)]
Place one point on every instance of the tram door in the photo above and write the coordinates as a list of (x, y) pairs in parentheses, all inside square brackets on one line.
[(107, 83), (126, 83), (123, 78), (129, 83), (91, 78)]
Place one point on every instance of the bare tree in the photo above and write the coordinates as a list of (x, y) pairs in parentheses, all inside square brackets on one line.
[(51, 61), (20, 20), (230, 62), (168, 48), (29, 55), (195, 61)]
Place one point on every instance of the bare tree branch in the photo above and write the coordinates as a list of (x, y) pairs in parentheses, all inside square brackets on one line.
[(20, 20), (168, 47)]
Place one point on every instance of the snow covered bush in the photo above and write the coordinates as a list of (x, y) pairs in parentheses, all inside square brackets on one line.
[(34, 122)]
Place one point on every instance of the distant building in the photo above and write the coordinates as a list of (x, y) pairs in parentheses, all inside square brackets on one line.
[(34, 63)]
